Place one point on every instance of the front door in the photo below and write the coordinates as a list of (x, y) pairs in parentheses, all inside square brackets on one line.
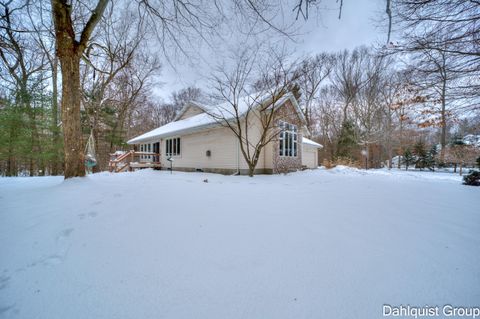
[(156, 150)]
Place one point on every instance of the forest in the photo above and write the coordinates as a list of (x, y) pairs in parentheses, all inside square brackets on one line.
[(74, 71)]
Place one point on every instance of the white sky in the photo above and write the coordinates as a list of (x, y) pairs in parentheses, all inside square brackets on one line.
[(322, 32)]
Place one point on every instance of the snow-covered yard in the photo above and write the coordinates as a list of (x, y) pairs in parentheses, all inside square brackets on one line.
[(313, 244)]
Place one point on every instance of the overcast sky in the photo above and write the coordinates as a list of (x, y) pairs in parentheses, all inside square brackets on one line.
[(322, 32)]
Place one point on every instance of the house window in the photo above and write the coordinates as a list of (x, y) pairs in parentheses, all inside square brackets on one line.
[(288, 140), (172, 146), (146, 148)]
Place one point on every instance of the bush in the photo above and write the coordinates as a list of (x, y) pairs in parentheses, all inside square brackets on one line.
[(472, 179), (328, 164)]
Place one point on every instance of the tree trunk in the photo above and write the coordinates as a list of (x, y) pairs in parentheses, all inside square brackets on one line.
[(390, 156), (443, 134), (56, 134), (72, 130), (69, 52), (399, 164), (11, 162), (251, 170)]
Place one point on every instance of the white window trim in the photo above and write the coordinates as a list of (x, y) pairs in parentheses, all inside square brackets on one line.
[(147, 148), (282, 139), (181, 146)]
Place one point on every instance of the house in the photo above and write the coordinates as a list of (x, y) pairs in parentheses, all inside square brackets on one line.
[(197, 141)]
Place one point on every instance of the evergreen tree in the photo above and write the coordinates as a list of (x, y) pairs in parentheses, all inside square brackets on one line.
[(26, 137), (431, 158), (421, 155), (457, 140), (408, 158), (347, 141), (472, 179)]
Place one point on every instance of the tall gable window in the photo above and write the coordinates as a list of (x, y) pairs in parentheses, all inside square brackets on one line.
[(288, 139), (172, 146)]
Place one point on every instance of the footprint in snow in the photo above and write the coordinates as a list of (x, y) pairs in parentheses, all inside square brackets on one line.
[(53, 260), (5, 309), (93, 214), (66, 232), (4, 282), (117, 195)]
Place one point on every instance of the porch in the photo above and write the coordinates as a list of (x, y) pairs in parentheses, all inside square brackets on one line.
[(131, 160)]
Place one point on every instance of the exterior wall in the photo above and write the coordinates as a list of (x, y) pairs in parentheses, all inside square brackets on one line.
[(225, 155), (282, 164), (309, 156), (268, 152), (191, 111)]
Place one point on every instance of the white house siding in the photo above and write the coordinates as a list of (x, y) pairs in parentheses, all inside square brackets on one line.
[(268, 156), (225, 156), (309, 156)]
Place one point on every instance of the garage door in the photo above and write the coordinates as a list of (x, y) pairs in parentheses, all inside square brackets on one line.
[(309, 158)]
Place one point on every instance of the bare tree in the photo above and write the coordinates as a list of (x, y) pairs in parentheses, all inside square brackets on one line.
[(112, 49), (461, 155), (442, 38), (439, 83), (367, 107), (172, 22), (182, 97), (328, 120), (450, 26), (251, 93), (348, 76), (310, 75), (71, 43)]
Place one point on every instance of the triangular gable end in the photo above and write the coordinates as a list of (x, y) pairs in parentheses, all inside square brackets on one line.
[(190, 109), (290, 99)]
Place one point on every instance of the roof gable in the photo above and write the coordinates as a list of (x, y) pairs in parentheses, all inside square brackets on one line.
[(189, 109), (185, 124)]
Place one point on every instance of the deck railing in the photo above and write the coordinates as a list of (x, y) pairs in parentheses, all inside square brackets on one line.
[(126, 161)]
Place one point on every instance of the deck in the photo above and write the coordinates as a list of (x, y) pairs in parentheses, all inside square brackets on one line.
[(132, 160)]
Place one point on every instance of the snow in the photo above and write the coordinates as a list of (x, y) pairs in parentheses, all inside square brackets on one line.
[(310, 142), (471, 139), (214, 117), (334, 243), (199, 121)]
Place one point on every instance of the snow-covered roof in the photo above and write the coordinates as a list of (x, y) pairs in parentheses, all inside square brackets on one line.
[(471, 139), (211, 118), (196, 122), (310, 142)]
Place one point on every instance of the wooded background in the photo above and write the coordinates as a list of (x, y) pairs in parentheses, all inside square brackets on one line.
[(416, 94)]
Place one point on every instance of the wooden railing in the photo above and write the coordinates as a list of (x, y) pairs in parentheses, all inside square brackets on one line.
[(126, 161)]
